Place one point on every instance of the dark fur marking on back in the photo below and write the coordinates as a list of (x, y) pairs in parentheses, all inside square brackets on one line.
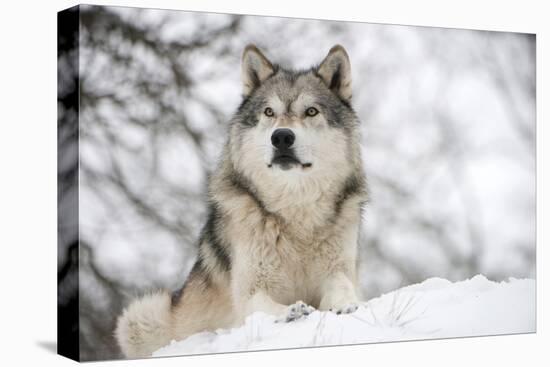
[(243, 185), (211, 238), (352, 186), (197, 271), (176, 296)]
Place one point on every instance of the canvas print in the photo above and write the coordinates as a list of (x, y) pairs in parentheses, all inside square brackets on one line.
[(233, 183)]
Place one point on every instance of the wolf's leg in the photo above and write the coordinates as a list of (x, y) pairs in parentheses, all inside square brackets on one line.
[(338, 294), (261, 302)]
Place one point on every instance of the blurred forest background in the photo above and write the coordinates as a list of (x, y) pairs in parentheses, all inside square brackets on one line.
[(448, 131)]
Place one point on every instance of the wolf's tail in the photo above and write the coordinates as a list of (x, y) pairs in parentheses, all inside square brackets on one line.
[(144, 326)]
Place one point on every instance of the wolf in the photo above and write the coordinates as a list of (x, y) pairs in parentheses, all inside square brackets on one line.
[(285, 206)]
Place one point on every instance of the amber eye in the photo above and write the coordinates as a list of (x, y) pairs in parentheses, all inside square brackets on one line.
[(268, 112), (312, 111)]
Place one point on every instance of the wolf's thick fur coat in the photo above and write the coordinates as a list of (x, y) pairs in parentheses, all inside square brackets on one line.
[(279, 238)]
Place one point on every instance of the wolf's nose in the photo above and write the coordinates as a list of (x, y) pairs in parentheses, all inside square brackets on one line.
[(283, 138)]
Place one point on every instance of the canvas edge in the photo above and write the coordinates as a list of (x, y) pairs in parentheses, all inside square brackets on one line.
[(68, 328)]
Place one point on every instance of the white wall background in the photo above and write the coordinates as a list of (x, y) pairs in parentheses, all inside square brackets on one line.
[(32, 224)]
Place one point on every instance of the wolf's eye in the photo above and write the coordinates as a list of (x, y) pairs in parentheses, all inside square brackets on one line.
[(268, 112), (311, 111)]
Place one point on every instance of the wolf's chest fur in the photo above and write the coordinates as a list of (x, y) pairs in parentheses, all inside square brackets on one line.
[(287, 253)]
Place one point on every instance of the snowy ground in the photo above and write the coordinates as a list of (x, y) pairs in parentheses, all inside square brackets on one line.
[(435, 308)]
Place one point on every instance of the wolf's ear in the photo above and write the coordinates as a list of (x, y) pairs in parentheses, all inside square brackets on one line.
[(255, 69), (335, 70)]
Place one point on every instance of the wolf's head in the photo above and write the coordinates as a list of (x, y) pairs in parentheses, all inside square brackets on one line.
[(295, 129)]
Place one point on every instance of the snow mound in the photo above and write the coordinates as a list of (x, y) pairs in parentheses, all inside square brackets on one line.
[(435, 308)]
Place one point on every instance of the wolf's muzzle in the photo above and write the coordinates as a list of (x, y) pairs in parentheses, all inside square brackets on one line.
[(283, 152)]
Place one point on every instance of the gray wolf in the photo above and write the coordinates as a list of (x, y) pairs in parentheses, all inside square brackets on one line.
[(285, 207)]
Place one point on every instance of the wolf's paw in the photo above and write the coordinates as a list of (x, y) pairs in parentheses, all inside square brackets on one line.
[(296, 311), (346, 308)]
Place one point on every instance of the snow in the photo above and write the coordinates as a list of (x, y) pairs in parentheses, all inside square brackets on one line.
[(435, 308)]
